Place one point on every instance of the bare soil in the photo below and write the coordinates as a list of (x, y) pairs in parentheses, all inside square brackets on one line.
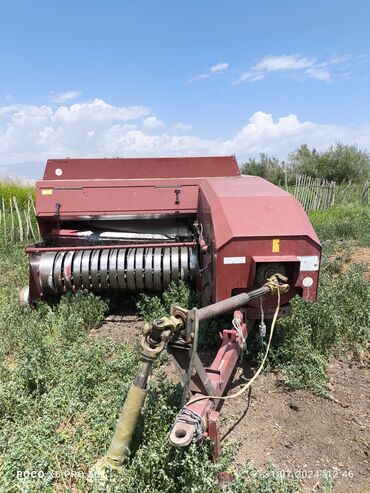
[(362, 255), (301, 434)]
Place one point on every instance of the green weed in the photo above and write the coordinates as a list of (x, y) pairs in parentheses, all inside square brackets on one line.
[(151, 306), (338, 322), (345, 222), (12, 188)]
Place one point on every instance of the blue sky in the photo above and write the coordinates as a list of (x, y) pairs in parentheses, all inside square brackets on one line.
[(169, 78)]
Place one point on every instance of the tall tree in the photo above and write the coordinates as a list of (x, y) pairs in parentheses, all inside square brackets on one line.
[(338, 163)]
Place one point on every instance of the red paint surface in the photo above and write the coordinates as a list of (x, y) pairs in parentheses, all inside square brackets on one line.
[(241, 215), (133, 168)]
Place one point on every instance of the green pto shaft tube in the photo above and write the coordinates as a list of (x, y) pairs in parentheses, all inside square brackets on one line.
[(119, 448), (153, 342)]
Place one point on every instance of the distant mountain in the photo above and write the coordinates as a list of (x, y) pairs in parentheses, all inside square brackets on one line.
[(30, 171)]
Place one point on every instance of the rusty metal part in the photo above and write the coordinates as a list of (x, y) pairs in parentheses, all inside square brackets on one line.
[(187, 428), (201, 240), (266, 270)]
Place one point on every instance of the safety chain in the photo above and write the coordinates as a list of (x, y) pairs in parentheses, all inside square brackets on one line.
[(191, 418)]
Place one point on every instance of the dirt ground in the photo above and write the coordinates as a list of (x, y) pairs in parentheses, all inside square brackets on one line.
[(301, 434), (362, 255)]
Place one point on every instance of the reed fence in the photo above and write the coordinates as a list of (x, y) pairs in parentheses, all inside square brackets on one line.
[(317, 194), (18, 221)]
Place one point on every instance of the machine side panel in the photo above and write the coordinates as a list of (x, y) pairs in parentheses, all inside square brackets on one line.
[(134, 168), (111, 200), (250, 206), (251, 222), (236, 265)]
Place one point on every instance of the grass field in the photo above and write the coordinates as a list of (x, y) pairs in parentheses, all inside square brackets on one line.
[(61, 390)]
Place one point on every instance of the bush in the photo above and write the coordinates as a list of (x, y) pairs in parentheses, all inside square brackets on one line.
[(267, 167), (12, 188), (344, 222), (339, 163), (151, 306), (337, 323)]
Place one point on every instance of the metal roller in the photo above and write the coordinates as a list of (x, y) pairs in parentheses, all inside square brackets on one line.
[(184, 269), (148, 268), (104, 269), (57, 272), (121, 270), (85, 269), (175, 264), (113, 276), (46, 272), (133, 269), (157, 271), (131, 284), (94, 270), (139, 272), (67, 271), (166, 266), (76, 270)]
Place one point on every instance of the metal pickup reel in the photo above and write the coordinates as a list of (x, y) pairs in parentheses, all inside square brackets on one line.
[(133, 269)]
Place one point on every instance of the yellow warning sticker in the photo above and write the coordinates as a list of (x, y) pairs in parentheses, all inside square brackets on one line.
[(47, 191), (275, 246)]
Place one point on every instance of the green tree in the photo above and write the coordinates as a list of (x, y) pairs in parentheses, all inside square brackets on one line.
[(338, 163), (267, 167)]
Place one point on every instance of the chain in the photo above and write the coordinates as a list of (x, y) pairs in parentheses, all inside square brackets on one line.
[(191, 418)]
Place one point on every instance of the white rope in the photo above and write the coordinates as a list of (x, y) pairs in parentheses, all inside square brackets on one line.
[(248, 384), (237, 327)]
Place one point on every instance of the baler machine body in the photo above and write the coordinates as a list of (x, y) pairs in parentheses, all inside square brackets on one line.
[(122, 224)]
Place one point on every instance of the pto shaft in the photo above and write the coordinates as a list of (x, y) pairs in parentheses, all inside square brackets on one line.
[(153, 342), (127, 421)]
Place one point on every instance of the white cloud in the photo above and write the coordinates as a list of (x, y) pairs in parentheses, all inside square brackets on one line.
[(299, 66), (284, 62), (319, 74), (35, 133), (65, 96), (152, 123), (181, 127), (215, 69), (219, 67)]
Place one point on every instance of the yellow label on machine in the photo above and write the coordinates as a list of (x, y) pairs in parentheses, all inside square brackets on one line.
[(275, 246), (47, 191)]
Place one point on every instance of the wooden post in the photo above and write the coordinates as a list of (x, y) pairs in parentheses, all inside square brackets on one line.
[(285, 176), (11, 221), (4, 216), (365, 193), (27, 225), (21, 236)]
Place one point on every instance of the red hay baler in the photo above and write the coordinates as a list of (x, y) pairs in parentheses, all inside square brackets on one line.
[(126, 225)]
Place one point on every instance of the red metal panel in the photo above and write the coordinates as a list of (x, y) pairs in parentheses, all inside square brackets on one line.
[(233, 276), (107, 200), (250, 206), (133, 168), (248, 216)]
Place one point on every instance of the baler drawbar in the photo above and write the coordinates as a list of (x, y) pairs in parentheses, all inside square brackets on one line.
[(197, 419)]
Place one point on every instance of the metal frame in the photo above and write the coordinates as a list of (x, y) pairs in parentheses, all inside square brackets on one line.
[(212, 380)]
